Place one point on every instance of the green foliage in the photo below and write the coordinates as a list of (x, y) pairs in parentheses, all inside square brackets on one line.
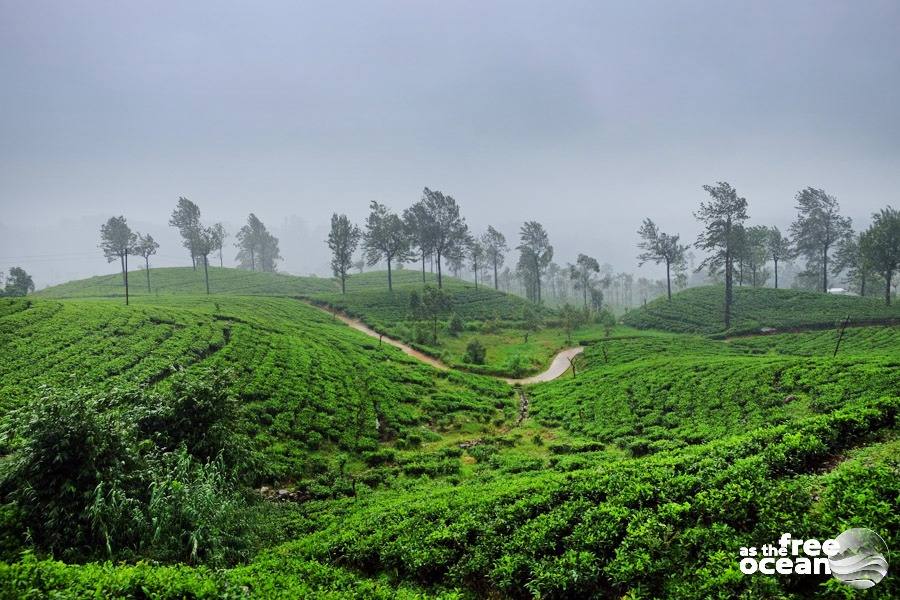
[(456, 325), (475, 353), (699, 310)]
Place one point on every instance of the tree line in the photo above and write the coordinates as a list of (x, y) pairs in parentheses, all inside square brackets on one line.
[(820, 234), (434, 230), (257, 247)]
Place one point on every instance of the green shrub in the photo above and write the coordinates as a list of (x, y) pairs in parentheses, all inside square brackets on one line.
[(456, 325), (475, 352)]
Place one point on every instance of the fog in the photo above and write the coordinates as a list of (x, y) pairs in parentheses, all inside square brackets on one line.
[(586, 118)]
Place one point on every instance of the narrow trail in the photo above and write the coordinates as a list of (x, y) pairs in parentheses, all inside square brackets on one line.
[(561, 362)]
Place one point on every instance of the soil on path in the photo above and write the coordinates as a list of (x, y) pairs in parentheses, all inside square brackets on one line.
[(562, 362)]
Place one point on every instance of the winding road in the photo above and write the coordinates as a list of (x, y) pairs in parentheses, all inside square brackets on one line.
[(561, 362)]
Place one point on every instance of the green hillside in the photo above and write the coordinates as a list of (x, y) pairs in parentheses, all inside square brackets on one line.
[(493, 317), (639, 477), (306, 384), (185, 280), (700, 310)]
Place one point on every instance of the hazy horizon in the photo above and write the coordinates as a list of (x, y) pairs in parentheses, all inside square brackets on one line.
[(584, 118)]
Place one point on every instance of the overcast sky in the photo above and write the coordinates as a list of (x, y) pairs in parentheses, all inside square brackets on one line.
[(584, 116)]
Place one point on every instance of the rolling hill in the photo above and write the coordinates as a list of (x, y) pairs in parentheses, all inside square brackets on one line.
[(639, 477), (699, 310)]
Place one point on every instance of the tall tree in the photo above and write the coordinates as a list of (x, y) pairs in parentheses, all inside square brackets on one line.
[(660, 247), (779, 249), (756, 254), (535, 254), (720, 216), (342, 241), (208, 241), (818, 227), (476, 253), (431, 305), (221, 236), (257, 248), (186, 218), (495, 250), (117, 241), (449, 229), (146, 247), (582, 273), (18, 283), (849, 257), (385, 238), (420, 229), (881, 246)]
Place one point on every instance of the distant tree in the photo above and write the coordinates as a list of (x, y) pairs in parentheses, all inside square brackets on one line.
[(608, 321), (207, 242), (342, 241), (359, 265), (818, 227), (779, 249), (449, 230), (475, 353), (535, 255), (881, 246), (582, 273), (117, 241), (720, 216), (571, 319), (186, 218), (850, 258), (455, 259), (756, 254), (660, 247), (385, 238), (596, 300), (146, 247), (420, 230), (221, 236), (433, 303), (531, 320), (456, 325), (495, 249), (257, 248), (18, 283), (476, 253)]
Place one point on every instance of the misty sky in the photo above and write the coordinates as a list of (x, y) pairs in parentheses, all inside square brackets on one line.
[(584, 116)]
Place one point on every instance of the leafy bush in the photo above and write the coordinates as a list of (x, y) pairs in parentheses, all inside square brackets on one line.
[(456, 325), (475, 353)]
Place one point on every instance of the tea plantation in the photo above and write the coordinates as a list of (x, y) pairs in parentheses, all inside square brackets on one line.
[(248, 445), (700, 310)]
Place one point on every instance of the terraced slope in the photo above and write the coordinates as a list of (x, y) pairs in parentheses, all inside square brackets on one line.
[(699, 310), (306, 383), (185, 280)]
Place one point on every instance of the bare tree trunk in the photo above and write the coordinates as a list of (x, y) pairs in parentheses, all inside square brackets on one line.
[(147, 264), (206, 272), (343, 285), (887, 287), (126, 279), (440, 283), (668, 280), (221, 263), (825, 270), (423, 267), (776, 272), (390, 285), (495, 275)]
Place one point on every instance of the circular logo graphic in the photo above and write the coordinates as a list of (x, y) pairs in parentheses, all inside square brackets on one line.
[(861, 559)]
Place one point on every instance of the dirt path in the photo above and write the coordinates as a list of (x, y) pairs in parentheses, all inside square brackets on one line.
[(561, 362)]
